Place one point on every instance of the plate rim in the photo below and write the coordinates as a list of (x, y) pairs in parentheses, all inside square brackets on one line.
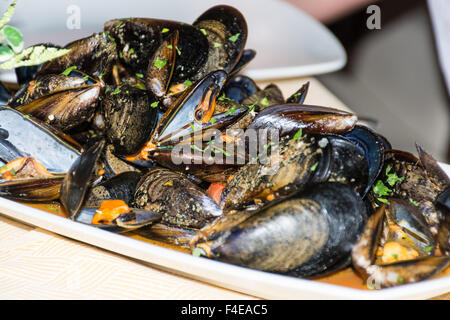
[(204, 269)]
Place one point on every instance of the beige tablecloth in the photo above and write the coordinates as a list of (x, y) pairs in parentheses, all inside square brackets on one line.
[(37, 264)]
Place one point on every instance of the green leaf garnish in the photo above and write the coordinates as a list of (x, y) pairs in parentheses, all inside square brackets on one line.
[(33, 56), (217, 45), (428, 249), (298, 134), (116, 91), (380, 189), (392, 179), (14, 38), (68, 70), (178, 50), (400, 279), (264, 102), (382, 200), (197, 252), (139, 75), (160, 63), (231, 110), (414, 203), (213, 120), (187, 83), (164, 30), (6, 52), (8, 14), (314, 166), (267, 146), (169, 46), (194, 147), (203, 31), (154, 104), (233, 38)]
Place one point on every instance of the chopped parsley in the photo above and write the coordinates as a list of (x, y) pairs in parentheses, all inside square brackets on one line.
[(187, 83), (264, 102), (231, 110), (139, 75), (116, 91), (164, 30), (400, 279), (314, 166), (414, 203), (213, 120), (169, 46), (160, 63), (428, 249), (203, 31), (154, 104), (233, 38), (380, 189), (298, 134), (68, 70), (217, 45)]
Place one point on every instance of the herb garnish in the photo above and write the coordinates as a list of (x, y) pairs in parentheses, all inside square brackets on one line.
[(160, 63), (298, 134), (233, 38)]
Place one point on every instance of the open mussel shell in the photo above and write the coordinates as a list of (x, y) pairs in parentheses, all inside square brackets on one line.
[(48, 84), (289, 118), (77, 181), (93, 55), (67, 109), (129, 118), (32, 189), (303, 235), (364, 252), (194, 107), (25, 135), (271, 95)]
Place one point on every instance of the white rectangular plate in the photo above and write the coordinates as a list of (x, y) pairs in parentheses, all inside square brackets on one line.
[(257, 283)]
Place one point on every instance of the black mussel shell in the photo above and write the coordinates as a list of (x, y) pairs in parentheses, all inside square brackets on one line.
[(22, 135), (129, 118), (240, 88), (94, 55)]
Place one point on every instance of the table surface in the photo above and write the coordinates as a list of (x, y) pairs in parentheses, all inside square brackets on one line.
[(38, 264)]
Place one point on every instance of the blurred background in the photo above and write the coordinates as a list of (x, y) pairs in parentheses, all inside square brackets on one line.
[(392, 74)]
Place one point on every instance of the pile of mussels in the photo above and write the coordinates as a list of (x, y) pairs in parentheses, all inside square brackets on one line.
[(96, 129)]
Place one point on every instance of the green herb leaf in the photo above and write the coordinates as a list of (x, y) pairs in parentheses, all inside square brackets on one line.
[(68, 70), (213, 120), (154, 104), (169, 46), (8, 14), (116, 91), (264, 102), (382, 200), (380, 189), (14, 38), (194, 147), (298, 134), (187, 83), (267, 146), (119, 23), (33, 56), (164, 30), (395, 256), (388, 169), (314, 166), (139, 75), (400, 279), (160, 63), (197, 252), (178, 50), (203, 31), (414, 203), (217, 45), (428, 249), (231, 110), (6, 52), (393, 179), (233, 38)]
